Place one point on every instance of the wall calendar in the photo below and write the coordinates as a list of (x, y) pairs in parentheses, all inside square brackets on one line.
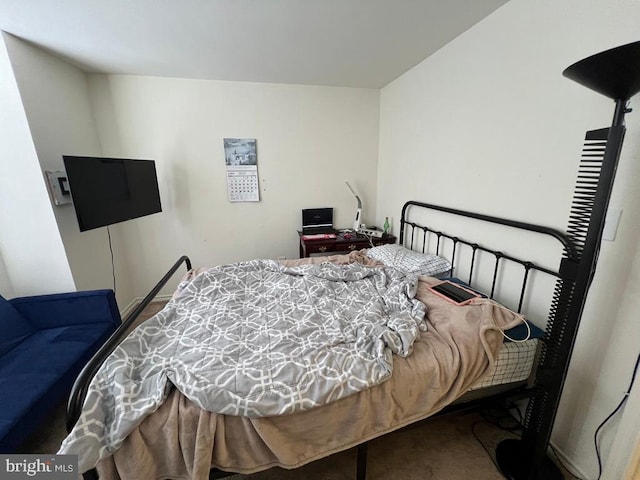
[(241, 160)]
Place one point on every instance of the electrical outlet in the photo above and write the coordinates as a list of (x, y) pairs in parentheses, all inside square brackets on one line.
[(611, 222)]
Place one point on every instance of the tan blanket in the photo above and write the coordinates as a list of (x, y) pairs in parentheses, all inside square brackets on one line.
[(182, 441)]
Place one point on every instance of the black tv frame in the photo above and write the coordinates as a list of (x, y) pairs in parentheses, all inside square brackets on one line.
[(107, 190)]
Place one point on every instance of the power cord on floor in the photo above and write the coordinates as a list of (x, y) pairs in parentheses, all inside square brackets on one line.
[(475, 435), (505, 420), (615, 410), (555, 454), (501, 418)]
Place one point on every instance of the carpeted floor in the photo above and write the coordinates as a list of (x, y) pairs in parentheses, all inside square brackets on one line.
[(444, 449), (457, 446), (452, 447)]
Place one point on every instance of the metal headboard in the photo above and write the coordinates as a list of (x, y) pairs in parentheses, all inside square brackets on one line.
[(416, 237)]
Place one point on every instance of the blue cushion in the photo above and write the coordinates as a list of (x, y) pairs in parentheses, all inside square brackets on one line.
[(45, 340), (519, 332), (14, 327), (60, 309), (32, 384)]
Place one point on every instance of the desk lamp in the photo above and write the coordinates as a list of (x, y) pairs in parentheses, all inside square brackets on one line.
[(356, 222)]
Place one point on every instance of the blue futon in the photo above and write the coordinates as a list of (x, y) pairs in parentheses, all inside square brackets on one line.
[(44, 343)]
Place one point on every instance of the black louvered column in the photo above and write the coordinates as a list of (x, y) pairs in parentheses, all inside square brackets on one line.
[(616, 74)]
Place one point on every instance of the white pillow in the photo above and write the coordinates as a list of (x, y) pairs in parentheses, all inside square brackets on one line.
[(409, 261)]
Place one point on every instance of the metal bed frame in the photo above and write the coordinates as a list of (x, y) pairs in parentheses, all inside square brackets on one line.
[(614, 73), (499, 257), (526, 458), (413, 235)]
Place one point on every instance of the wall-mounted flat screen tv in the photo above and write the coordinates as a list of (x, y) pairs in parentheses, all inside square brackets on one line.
[(111, 190)]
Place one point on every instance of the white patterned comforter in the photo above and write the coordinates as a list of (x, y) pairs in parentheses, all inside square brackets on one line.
[(254, 339)]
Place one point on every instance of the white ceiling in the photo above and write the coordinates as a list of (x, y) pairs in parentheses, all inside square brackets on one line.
[(355, 43)]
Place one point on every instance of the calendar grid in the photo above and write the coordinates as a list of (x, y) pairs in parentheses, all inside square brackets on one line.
[(242, 169)]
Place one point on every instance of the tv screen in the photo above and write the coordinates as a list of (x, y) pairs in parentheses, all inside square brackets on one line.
[(111, 190)]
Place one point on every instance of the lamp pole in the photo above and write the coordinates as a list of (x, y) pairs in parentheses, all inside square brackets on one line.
[(616, 74)]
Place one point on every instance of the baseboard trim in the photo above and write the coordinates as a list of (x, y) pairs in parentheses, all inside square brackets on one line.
[(126, 311), (566, 461)]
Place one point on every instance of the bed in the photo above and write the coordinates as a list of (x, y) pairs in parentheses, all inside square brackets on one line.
[(454, 358)]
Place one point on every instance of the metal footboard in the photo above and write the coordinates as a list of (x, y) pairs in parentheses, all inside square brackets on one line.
[(81, 385)]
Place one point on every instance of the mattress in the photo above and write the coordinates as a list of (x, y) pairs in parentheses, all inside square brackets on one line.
[(514, 363)]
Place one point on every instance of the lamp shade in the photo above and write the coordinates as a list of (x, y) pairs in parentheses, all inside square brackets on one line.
[(614, 73)]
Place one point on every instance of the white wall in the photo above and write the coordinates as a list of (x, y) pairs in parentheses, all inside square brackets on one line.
[(55, 98), (6, 289), (309, 141), (624, 340), (30, 243), (489, 123)]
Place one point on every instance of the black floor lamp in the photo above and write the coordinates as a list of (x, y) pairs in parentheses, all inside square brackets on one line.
[(614, 73)]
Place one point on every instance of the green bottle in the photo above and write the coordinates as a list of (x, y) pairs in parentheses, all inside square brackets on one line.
[(386, 225)]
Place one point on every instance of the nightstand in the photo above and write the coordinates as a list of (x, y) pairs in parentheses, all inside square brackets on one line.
[(342, 243)]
